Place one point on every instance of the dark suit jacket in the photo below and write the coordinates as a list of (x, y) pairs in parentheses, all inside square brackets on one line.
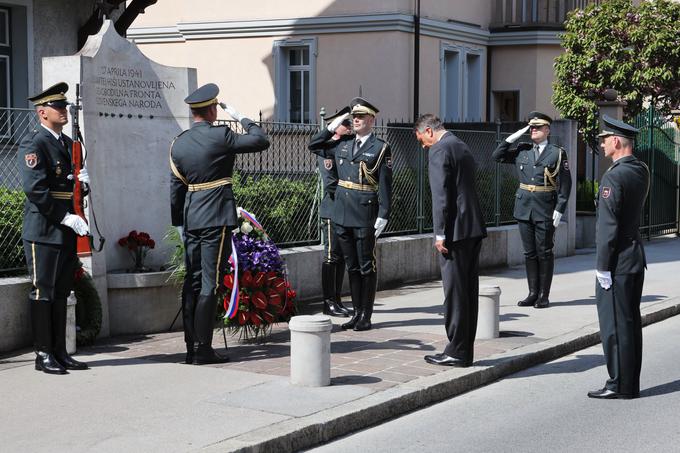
[(456, 213), (621, 197), (44, 165), (206, 153), (354, 208), (537, 205)]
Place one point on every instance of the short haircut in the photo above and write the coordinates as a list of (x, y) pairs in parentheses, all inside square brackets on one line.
[(625, 141), (428, 120), (201, 111)]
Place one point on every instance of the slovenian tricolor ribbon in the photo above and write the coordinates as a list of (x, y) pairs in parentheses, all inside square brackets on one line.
[(233, 300)]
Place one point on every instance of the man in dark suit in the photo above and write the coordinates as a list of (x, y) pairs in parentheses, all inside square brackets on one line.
[(459, 228), (50, 228), (333, 265), (620, 260), (362, 201), (540, 201), (202, 205)]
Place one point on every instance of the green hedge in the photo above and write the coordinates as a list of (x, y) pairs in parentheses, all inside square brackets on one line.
[(11, 219)]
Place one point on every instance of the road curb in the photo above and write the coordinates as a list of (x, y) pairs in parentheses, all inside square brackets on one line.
[(305, 432)]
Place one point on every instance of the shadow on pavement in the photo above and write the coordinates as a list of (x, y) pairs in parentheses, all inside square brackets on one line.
[(354, 380), (663, 389)]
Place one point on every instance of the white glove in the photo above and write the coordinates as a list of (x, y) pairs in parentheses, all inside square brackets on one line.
[(337, 122), (513, 138), (231, 111), (557, 216), (180, 231), (83, 176), (604, 278), (379, 226), (76, 223)]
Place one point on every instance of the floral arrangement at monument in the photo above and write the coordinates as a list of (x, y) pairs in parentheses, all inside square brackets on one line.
[(138, 245), (258, 293)]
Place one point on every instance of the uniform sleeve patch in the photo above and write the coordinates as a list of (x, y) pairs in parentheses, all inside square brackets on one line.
[(565, 164), (606, 192), (31, 160), (328, 164)]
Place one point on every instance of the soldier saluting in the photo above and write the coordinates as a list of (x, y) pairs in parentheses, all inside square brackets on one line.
[(50, 228), (540, 201), (203, 208), (362, 201), (621, 260)]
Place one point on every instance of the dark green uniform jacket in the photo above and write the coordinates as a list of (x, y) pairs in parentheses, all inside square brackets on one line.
[(537, 205), (204, 154)]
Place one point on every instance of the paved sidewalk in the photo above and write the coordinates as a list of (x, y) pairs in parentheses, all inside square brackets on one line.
[(138, 396)]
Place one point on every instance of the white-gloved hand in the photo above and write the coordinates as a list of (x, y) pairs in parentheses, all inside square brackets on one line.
[(379, 226), (180, 231), (337, 122), (604, 278), (83, 176), (231, 111), (557, 216), (513, 138), (76, 223)]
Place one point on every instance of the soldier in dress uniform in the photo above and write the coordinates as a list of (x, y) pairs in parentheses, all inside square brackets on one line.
[(50, 228), (362, 201), (333, 265), (540, 201), (203, 207), (620, 260)]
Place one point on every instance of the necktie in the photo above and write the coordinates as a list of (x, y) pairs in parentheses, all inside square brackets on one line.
[(357, 145), (537, 153)]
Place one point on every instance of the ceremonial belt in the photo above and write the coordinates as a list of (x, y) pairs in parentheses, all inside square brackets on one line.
[(532, 188), (354, 186), (209, 185), (61, 195)]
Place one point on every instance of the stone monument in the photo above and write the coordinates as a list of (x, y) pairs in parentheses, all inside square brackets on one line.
[(132, 109)]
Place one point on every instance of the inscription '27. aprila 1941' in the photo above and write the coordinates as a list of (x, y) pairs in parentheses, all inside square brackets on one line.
[(127, 87)]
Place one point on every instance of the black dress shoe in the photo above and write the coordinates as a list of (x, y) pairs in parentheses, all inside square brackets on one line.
[(70, 363), (206, 355), (46, 363), (447, 360), (607, 394), (542, 302)]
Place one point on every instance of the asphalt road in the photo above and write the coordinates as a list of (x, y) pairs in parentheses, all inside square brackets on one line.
[(545, 408)]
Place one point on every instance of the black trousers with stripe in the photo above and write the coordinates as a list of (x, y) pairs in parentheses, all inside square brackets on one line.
[(331, 247), (358, 248), (51, 268), (207, 253)]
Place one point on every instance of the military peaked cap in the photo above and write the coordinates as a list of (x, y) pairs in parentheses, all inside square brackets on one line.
[(203, 96), (611, 126), (340, 112), (53, 96), (361, 106), (539, 119)]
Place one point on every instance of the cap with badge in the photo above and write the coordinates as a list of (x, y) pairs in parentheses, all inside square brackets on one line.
[(203, 96), (340, 112), (539, 119), (54, 96), (361, 106), (611, 126)]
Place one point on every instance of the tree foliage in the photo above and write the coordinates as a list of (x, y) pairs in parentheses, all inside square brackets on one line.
[(633, 49)]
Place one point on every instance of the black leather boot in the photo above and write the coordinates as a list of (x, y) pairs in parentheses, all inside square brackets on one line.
[(355, 282), (532, 277), (368, 286), (328, 286), (545, 273), (188, 309), (59, 335), (339, 277), (204, 323), (41, 321)]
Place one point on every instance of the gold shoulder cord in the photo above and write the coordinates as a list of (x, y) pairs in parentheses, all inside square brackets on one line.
[(365, 172), (173, 167), (551, 176)]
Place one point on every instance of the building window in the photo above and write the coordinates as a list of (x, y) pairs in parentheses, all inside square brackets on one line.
[(295, 83), (506, 105), (5, 56), (461, 93)]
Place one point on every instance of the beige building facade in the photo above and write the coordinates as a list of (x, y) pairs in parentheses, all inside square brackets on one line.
[(478, 61)]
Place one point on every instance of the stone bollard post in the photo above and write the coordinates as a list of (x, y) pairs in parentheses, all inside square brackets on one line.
[(71, 323), (489, 312), (310, 350)]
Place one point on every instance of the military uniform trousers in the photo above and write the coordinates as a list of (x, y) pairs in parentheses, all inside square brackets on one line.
[(358, 248), (460, 280), (331, 247), (537, 238), (618, 310)]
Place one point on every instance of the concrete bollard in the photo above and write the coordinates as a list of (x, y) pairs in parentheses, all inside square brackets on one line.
[(310, 350), (489, 312), (71, 323)]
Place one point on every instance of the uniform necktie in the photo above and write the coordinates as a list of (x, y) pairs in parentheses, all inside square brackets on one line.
[(537, 152), (357, 145)]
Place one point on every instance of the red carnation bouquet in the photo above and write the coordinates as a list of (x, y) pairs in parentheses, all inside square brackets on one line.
[(262, 294), (138, 245)]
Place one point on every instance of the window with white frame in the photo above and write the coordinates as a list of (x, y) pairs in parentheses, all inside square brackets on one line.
[(295, 82), (461, 93)]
